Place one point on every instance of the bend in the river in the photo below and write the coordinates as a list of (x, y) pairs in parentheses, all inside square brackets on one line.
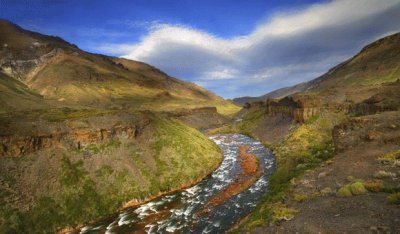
[(179, 212)]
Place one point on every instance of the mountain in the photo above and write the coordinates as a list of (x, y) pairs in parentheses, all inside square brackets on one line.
[(354, 79), (276, 94), (67, 76)]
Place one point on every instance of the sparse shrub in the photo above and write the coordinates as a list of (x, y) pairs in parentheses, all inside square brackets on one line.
[(351, 178), (105, 171), (326, 191), (282, 212), (390, 188), (391, 158), (315, 194), (394, 198), (383, 174), (312, 119), (300, 197), (354, 179), (344, 191), (357, 188), (374, 185)]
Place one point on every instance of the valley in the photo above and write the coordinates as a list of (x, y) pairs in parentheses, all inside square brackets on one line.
[(95, 143)]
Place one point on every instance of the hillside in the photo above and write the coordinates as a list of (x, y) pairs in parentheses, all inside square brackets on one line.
[(68, 76), (276, 94), (14, 95), (354, 79), (82, 135), (337, 148)]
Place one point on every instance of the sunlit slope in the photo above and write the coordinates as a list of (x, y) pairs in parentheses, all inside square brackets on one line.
[(14, 95), (376, 65), (356, 79), (62, 72)]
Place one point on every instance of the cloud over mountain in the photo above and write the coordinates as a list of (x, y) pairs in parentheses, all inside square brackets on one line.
[(287, 48)]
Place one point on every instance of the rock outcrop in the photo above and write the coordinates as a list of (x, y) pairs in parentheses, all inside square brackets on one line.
[(382, 128), (300, 108), (16, 141)]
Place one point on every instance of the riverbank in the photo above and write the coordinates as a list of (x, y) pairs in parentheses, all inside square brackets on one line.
[(178, 212), (134, 203)]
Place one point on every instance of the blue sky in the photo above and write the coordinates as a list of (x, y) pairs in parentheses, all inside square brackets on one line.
[(235, 48)]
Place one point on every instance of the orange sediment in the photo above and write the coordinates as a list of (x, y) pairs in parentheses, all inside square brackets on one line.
[(248, 175), (248, 162)]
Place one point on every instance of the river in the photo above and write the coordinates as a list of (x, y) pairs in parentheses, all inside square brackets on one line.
[(179, 212)]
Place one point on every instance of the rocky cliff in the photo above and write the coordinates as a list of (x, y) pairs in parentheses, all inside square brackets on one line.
[(28, 137), (300, 108)]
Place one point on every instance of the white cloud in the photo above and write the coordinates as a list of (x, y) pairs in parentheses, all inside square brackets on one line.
[(287, 48), (220, 74)]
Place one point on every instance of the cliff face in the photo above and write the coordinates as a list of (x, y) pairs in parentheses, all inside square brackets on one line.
[(17, 140), (299, 108)]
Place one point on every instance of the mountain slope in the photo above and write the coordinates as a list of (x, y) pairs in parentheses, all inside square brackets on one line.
[(61, 71), (358, 78), (354, 79), (15, 95), (276, 94)]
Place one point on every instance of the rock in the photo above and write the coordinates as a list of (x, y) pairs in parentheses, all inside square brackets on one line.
[(322, 174), (68, 135), (326, 191), (373, 135), (305, 181), (301, 108)]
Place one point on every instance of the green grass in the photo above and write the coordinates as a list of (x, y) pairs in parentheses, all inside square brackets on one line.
[(248, 123), (177, 160), (93, 149)]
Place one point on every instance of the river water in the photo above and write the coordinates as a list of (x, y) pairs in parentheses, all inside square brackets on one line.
[(179, 212)]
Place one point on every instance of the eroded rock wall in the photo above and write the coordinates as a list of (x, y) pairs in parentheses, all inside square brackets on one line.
[(17, 140), (300, 109)]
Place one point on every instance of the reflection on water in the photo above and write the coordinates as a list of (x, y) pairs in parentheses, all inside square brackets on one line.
[(177, 213)]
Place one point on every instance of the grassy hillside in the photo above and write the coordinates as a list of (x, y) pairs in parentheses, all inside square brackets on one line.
[(64, 74), (354, 80), (15, 96), (99, 178)]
